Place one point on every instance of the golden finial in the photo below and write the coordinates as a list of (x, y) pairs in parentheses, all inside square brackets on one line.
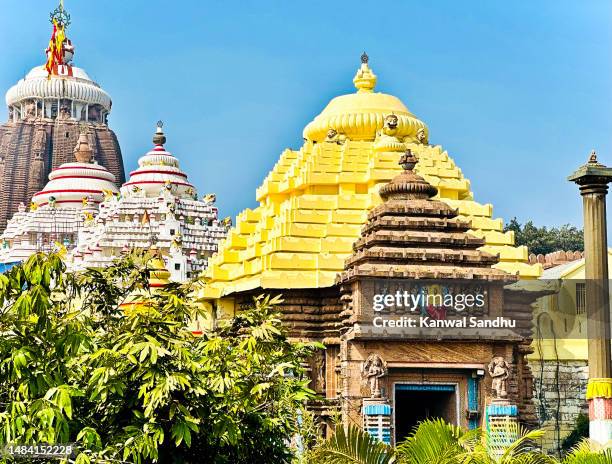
[(365, 79)]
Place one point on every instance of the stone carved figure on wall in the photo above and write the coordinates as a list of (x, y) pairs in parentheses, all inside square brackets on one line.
[(30, 109), (94, 113), (372, 370), (317, 365), (64, 112), (499, 370)]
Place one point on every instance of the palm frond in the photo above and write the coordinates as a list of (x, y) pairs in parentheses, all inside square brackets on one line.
[(589, 452), (353, 446), (433, 442)]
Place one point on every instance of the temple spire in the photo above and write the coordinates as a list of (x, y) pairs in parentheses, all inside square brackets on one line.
[(365, 79)]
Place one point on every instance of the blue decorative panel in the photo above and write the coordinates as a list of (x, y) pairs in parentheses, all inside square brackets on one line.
[(472, 397), (425, 387), (502, 410), (376, 409)]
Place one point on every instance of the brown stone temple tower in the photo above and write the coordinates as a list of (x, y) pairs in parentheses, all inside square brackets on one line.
[(45, 110), (408, 358)]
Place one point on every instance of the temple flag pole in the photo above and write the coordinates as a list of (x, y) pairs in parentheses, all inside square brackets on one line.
[(593, 179)]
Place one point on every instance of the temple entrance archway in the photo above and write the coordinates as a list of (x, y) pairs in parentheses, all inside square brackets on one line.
[(414, 403)]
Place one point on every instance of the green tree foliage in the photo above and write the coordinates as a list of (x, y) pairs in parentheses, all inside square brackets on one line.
[(543, 240), (133, 384)]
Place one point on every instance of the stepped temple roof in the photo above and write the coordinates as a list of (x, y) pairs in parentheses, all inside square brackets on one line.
[(157, 207), (411, 235), (70, 183), (314, 202), (60, 209), (45, 111), (158, 168)]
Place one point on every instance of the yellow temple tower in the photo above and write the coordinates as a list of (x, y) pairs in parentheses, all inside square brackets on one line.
[(315, 201)]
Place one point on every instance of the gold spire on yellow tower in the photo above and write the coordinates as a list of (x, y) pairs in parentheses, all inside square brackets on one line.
[(314, 202)]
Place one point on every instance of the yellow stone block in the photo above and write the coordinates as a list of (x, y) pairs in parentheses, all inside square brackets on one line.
[(484, 223), (351, 216), (337, 244), (344, 230), (289, 279), (281, 260), (332, 260), (245, 227), (236, 241), (353, 177), (355, 201), (250, 215), (317, 202), (304, 230), (310, 245), (228, 255), (508, 253), (525, 270), (310, 216)]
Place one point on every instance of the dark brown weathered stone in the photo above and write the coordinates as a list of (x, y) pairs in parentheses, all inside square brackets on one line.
[(30, 149)]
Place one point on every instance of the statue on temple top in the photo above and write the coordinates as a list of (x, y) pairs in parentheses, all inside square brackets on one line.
[(386, 139), (372, 370), (390, 125), (334, 137), (33, 206), (499, 370), (88, 218), (52, 201), (108, 194), (421, 136), (209, 198), (227, 222), (177, 242)]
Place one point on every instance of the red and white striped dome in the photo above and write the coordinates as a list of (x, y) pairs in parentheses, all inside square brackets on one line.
[(158, 169), (70, 183)]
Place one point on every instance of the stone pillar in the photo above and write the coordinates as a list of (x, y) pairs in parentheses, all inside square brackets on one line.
[(593, 179)]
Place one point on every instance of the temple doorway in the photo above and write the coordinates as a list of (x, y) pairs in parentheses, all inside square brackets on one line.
[(417, 402)]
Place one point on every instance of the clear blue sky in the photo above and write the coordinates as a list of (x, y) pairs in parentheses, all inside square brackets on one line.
[(517, 92)]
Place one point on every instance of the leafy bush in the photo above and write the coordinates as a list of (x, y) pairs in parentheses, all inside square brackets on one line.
[(104, 360)]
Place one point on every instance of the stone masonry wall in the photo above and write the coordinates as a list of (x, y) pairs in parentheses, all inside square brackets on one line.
[(559, 396)]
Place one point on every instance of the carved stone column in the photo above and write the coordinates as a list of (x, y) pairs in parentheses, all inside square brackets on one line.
[(593, 179)]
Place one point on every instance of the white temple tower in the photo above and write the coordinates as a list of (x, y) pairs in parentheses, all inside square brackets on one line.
[(67, 202), (157, 207)]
